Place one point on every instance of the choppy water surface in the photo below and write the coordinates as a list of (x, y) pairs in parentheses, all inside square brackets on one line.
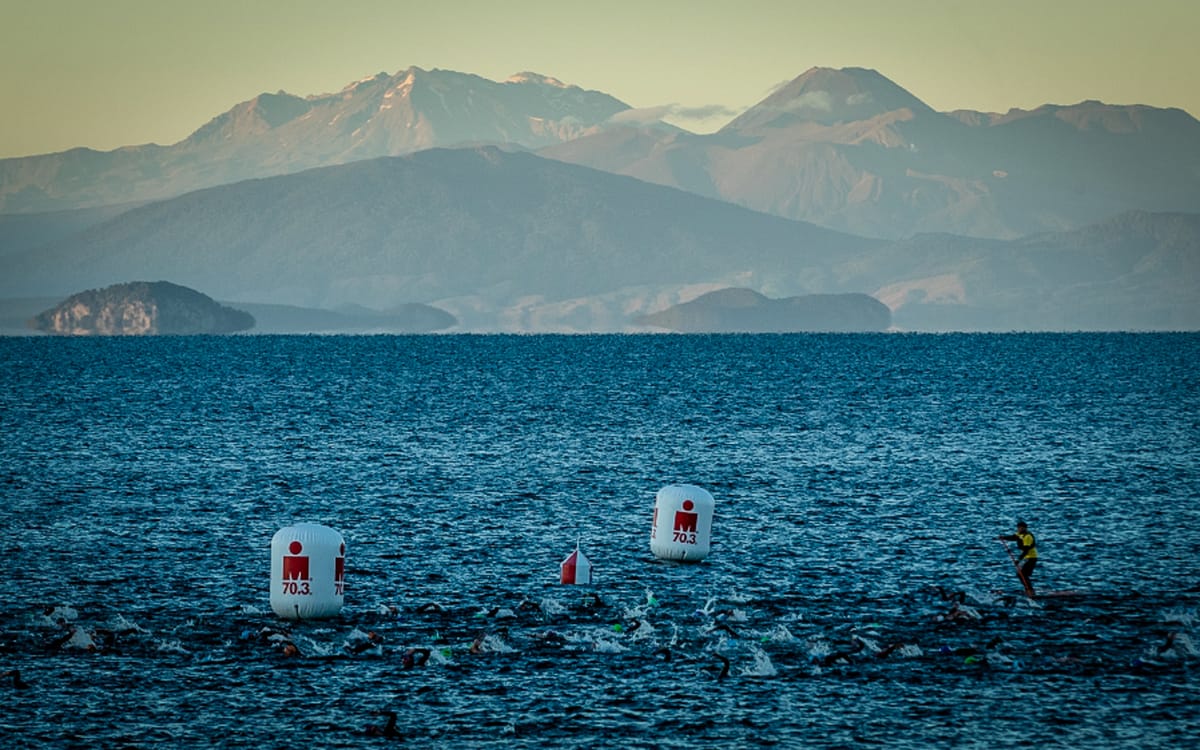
[(855, 588)]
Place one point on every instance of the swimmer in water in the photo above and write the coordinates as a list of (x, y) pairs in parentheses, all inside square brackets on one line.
[(726, 628), (415, 657), (722, 673), (477, 644), (886, 651), (58, 642), (387, 730), (957, 597), (106, 639), (842, 657), (372, 640), (724, 667), (592, 600), (1178, 645), (959, 612), (500, 612), (17, 682), (550, 638), (269, 634), (74, 637)]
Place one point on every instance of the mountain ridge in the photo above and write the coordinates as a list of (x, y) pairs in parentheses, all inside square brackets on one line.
[(848, 149), (828, 96), (510, 241), (841, 181), (886, 165), (273, 134), (470, 230)]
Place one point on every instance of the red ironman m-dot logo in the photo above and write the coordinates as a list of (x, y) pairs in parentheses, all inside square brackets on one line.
[(684, 519), (295, 566)]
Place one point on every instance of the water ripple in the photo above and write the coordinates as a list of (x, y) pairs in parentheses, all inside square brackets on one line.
[(855, 595)]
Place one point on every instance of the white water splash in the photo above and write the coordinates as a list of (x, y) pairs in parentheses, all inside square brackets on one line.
[(817, 648), (643, 632), (1181, 616), (494, 644), (171, 647), (80, 639), (122, 624), (870, 644), (762, 666), (608, 646), (58, 616)]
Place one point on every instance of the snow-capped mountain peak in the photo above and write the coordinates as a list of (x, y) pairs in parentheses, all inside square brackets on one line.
[(538, 78)]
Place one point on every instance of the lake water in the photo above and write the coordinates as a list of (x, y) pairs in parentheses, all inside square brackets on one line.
[(855, 586)]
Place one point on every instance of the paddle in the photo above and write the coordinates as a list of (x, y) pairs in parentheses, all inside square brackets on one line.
[(1017, 565)]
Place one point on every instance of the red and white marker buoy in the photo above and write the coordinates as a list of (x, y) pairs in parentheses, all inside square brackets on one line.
[(577, 568)]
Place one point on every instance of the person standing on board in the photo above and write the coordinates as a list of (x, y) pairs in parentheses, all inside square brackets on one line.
[(1029, 554)]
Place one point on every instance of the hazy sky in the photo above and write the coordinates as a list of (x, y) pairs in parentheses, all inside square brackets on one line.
[(107, 73)]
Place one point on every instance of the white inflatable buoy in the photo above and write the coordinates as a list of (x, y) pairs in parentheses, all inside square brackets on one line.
[(308, 572), (682, 523), (577, 568)]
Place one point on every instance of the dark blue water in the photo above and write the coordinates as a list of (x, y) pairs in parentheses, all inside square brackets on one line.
[(855, 586)]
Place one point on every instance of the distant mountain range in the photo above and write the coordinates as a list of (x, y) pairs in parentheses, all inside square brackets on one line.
[(502, 241), (274, 134), (555, 212), (850, 150), (847, 149), (508, 241)]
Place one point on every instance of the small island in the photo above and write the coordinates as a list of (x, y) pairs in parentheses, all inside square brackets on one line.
[(141, 308), (738, 310)]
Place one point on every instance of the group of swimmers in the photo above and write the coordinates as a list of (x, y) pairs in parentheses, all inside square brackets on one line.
[(952, 625), (726, 625)]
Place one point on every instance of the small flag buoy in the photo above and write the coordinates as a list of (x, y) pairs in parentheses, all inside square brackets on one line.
[(577, 568)]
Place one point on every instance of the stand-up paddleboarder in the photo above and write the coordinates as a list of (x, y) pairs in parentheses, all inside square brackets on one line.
[(1027, 546)]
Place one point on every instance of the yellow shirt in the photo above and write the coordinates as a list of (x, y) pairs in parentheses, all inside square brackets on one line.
[(1028, 546)]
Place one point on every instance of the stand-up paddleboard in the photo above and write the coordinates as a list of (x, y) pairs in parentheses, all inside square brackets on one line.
[(1064, 594), (1061, 595)]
